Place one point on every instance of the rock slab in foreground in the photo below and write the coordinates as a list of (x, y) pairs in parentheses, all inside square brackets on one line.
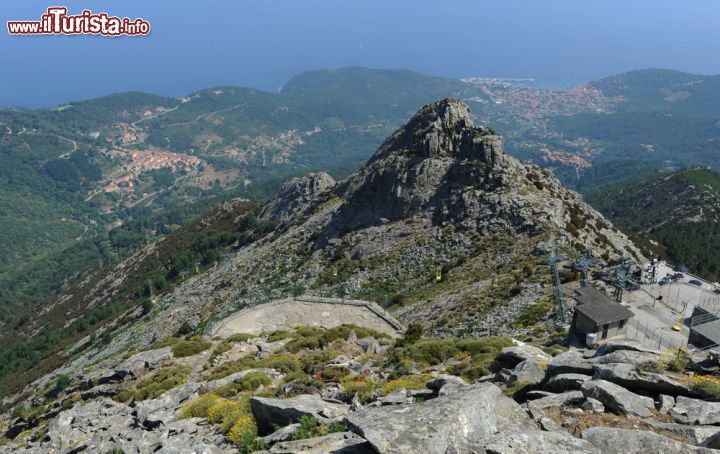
[(534, 442), (610, 440), (618, 399), (335, 443), (458, 422), (695, 411), (269, 412)]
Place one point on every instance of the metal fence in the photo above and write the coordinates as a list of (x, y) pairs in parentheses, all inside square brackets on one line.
[(654, 337)]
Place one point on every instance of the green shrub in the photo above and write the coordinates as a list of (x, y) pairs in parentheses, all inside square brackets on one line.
[(231, 367), (252, 443), (198, 408), (309, 428), (155, 385), (243, 429), (279, 335), (253, 380), (310, 360), (364, 389), (406, 382), (334, 373), (431, 351), (169, 342), (413, 333), (240, 337), (491, 344), (63, 381), (534, 313), (283, 362), (186, 348)]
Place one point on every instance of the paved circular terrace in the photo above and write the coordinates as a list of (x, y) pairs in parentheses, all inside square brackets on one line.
[(309, 311)]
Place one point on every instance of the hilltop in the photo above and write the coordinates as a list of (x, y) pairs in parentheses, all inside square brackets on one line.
[(437, 227)]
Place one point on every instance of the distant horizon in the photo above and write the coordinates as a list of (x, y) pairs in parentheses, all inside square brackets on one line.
[(536, 84), (193, 45)]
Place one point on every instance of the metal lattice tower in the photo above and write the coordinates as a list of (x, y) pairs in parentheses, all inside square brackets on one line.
[(560, 309), (621, 277), (583, 263)]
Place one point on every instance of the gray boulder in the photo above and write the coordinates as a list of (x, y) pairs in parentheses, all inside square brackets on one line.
[(161, 411), (617, 398), (594, 405), (269, 412), (569, 363), (282, 434), (524, 352), (339, 442), (665, 403), (146, 360), (612, 441), (712, 442), (396, 398), (694, 434), (627, 376), (695, 411), (617, 345), (566, 382), (369, 344), (528, 371), (626, 356), (453, 423), (535, 442), (437, 383), (536, 407)]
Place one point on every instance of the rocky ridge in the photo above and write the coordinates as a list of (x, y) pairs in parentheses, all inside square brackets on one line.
[(437, 227), (273, 394)]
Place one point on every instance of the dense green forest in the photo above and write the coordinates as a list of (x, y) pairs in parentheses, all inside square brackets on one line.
[(183, 253), (680, 210)]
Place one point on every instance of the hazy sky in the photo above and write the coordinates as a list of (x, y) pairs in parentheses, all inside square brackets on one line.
[(261, 43)]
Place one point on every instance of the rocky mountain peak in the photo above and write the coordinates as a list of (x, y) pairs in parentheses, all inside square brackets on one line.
[(295, 195), (444, 128)]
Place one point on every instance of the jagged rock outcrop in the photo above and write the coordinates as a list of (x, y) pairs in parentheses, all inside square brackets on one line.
[(296, 195)]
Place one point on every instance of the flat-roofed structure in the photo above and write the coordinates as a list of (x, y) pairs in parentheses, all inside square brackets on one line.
[(596, 312)]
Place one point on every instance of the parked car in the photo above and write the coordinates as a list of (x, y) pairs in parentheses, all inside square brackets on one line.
[(695, 282), (664, 281)]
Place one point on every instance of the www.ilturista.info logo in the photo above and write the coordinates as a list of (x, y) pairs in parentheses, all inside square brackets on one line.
[(57, 22)]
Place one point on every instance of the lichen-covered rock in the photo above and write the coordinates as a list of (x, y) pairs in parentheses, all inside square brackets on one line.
[(529, 371), (627, 376), (569, 363), (270, 412), (334, 443), (534, 442), (695, 411), (612, 441), (617, 398), (524, 352), (161, 411), (566, 382), (453, 423)]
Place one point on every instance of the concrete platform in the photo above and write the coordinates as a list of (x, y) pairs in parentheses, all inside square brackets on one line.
[(309, 311)]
